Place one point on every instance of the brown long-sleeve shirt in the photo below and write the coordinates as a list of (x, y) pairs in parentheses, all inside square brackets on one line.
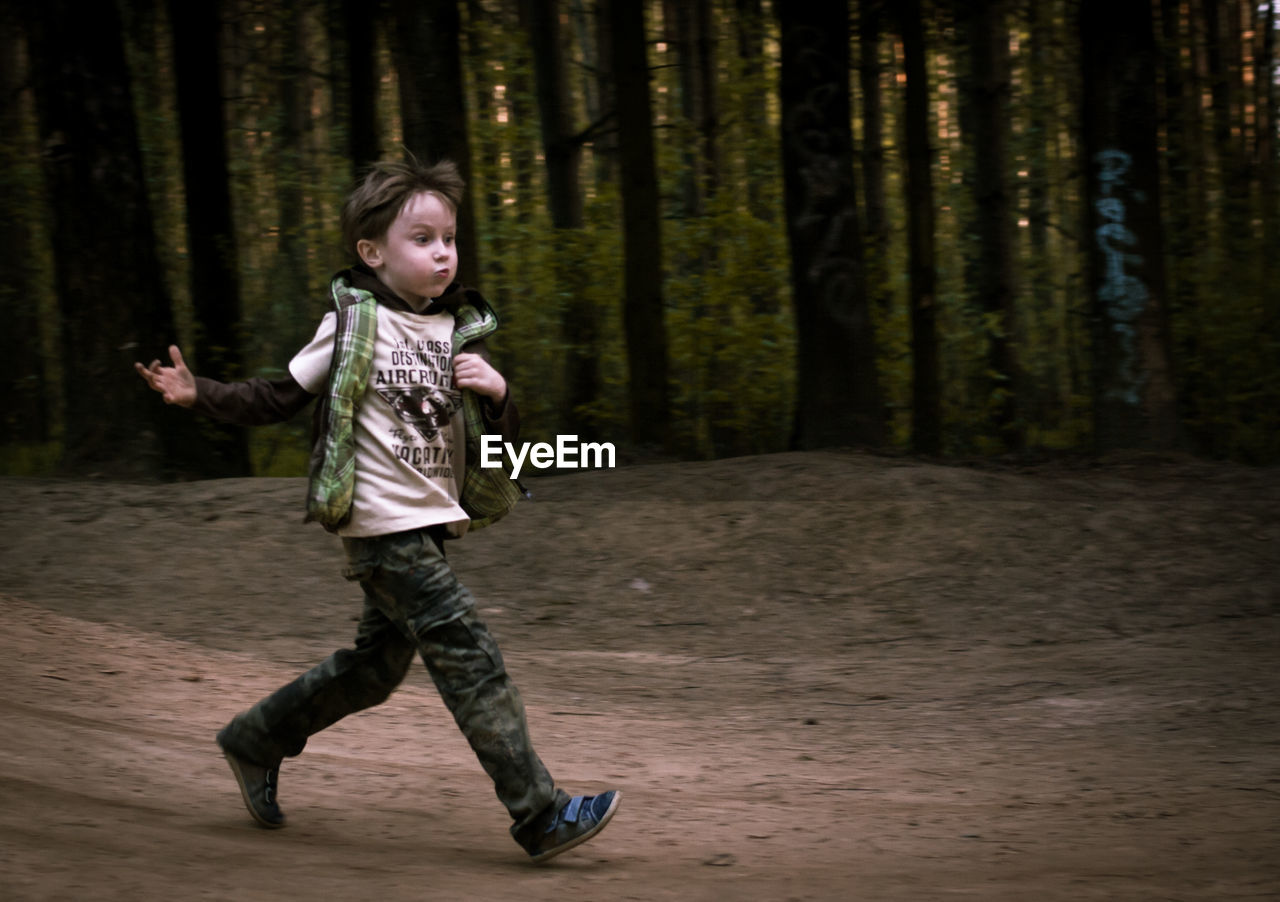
[(260, 402)]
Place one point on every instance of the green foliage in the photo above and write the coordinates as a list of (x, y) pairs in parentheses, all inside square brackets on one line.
[(26, 459), (731, 333), (1229, 355), (727, 308), (280, 450)]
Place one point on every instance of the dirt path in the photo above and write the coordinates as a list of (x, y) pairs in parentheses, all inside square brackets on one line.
[(820, 676)]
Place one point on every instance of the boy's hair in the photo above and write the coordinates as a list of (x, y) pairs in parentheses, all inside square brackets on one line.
[(376, 202)]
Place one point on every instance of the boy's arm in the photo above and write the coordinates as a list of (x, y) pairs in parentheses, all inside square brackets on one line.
[(472, 369), (502, 419), (255, 402)]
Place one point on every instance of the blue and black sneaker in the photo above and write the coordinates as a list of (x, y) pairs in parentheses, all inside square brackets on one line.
[(582, 818)]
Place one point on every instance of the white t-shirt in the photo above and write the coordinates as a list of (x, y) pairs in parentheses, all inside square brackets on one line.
[(409, 432)]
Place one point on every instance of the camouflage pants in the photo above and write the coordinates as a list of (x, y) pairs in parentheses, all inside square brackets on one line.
[(413, 604)]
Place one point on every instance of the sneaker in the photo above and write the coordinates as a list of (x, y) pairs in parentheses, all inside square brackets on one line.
[(575, 823), (257, 787)]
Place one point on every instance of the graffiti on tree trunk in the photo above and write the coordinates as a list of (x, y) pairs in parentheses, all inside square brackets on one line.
[(1123, 296)]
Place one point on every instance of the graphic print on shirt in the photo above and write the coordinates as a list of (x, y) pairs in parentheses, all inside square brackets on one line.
[(418, 387), (427, 410)]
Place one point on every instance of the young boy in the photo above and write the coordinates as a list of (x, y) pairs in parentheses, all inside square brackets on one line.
[(394, 472)]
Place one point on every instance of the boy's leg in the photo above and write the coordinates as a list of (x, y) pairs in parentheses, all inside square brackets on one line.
[(408, 577), (467, 668), (348, 681), (466, 665)]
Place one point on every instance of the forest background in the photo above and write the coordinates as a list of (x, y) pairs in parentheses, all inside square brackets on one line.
[(711, 227)]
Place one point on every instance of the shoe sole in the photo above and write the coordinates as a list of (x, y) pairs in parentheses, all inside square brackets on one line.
[(581, 838), (244, 793)]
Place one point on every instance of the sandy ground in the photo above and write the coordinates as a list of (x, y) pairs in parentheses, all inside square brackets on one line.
[(818, 676)]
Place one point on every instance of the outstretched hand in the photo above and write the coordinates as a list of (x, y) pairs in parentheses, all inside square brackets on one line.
[(176, 383), (472, 371)]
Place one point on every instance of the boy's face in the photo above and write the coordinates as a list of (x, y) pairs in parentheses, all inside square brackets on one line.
[(417, 258)]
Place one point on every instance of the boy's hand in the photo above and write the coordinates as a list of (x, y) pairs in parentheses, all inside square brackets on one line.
[(176, 383), (474, 372)]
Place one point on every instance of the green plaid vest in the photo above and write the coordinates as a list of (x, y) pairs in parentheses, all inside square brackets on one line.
[(487, 494)]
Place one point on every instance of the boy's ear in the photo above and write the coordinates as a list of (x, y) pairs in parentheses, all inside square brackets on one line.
[(369, 252)]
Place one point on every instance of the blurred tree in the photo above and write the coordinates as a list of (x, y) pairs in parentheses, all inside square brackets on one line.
[(750, 29), (354, 73), (426, 45), (985, 35), (643, 323), (1042, 369), (290, 284), (1184, 204), (604, 115), (875, 228), (1134, 397), (112, 304), (689, 32), (23, 382), (211, 235), (486, 145), (1223, 37), (1266, 159), (523, 111), (926, 418), (838, 395), (562, 150)]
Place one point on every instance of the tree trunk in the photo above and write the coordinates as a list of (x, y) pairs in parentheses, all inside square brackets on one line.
[(211, 235), (837, 392), (354, 73), (749, 24), (1186, 237), (1134, 397), (875, 230), (290, 280), (563, 153), (1222, 40), (486, 144), (587, 30), (689, 33), (1177, 157), (926, 418), (524, 141), (427, 49), (555, 109), (113, 307), (642, 314), (23, 381), (1267, 102), (605, 142), (1044, 399), (987, 36)]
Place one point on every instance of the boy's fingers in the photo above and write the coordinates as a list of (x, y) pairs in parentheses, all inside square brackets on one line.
[(176, 356)]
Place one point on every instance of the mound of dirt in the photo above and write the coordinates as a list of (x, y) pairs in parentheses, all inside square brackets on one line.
[(815, 676)]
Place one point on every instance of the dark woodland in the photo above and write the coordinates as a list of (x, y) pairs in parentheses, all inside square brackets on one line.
[(712, 228)]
